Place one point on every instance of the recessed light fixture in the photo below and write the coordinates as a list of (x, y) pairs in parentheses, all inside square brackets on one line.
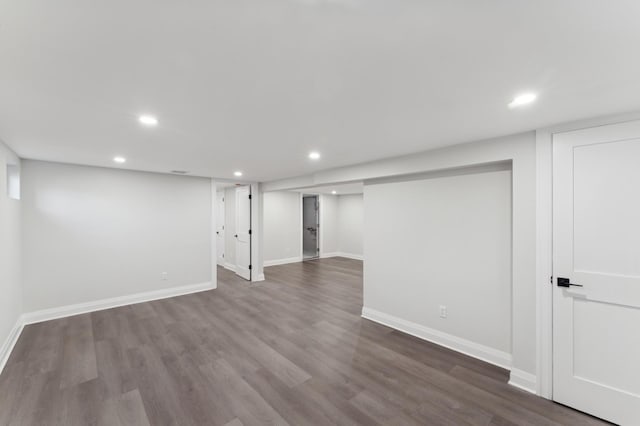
[(314, 155), (238, 173), (148, 120), (119, 160), (334, 192), (523, 99)]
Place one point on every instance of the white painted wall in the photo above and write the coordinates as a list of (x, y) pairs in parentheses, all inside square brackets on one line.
[(520, 150), (282, 226), (329, 217), (93, 233), (350, 224), (341, 226), (443, 241), (10, 253)]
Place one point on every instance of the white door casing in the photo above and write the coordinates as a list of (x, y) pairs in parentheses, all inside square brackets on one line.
[(220, 225), (596, 244), (243, 232)]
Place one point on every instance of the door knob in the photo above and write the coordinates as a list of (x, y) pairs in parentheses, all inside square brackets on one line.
[(565, 282)]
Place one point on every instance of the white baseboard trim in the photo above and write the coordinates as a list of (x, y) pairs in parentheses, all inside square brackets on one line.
[(282, 261), (258, 278), (322, 256), (98, 305), (351, 256), (331, 254), (10, 342), (342, 254), (467, 347), (230, 267), (523, 380)]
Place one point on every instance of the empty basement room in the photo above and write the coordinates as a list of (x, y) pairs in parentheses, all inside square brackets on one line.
[(319, 212)]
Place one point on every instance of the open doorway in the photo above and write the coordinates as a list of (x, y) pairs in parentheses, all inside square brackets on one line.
[(335, 216), (310, 227), (234, 228)]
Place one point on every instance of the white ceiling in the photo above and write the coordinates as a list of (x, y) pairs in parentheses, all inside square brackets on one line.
[(343, 189), (254, 85)]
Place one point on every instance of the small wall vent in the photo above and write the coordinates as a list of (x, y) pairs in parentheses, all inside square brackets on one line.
[(179, 172)]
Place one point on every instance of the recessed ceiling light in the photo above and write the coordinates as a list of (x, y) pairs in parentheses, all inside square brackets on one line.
[(148, 120), (334, 192), (523, 99), (314, 155), (238, 173), (119, 160)]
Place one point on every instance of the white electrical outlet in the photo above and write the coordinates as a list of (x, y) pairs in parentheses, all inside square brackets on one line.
[(443, 311), (164, 276)]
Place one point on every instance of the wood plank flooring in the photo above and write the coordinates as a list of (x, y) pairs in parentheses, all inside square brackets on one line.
[(290, 350)]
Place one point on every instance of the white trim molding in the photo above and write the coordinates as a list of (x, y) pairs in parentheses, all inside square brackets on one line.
[(98, 305), (10, 343), (342, 254), (300, 259), (544, 270), (350, 256), (523, 380), (332, 254), (282, 261), (229, 266), (458, 344)]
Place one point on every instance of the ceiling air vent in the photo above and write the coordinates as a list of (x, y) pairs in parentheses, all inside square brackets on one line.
[(179, 172)]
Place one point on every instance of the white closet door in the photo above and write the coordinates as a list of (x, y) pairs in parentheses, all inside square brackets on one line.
[(243, 232), (596, 312), (220, 225)]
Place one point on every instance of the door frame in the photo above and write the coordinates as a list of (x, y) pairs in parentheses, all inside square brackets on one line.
[(544, 243)]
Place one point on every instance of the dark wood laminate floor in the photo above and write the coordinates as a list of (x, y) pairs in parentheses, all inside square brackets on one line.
[(290, 350)]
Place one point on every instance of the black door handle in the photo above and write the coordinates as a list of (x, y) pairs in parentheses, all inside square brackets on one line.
[(565, 282)]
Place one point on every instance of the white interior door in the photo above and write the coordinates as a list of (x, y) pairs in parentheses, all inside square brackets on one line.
[(220, 228), (596, 244), (243, 232)]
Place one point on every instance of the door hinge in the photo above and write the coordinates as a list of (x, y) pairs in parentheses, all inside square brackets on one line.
[(249, 196), (551, 280), (249, 231), (249, 267)]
